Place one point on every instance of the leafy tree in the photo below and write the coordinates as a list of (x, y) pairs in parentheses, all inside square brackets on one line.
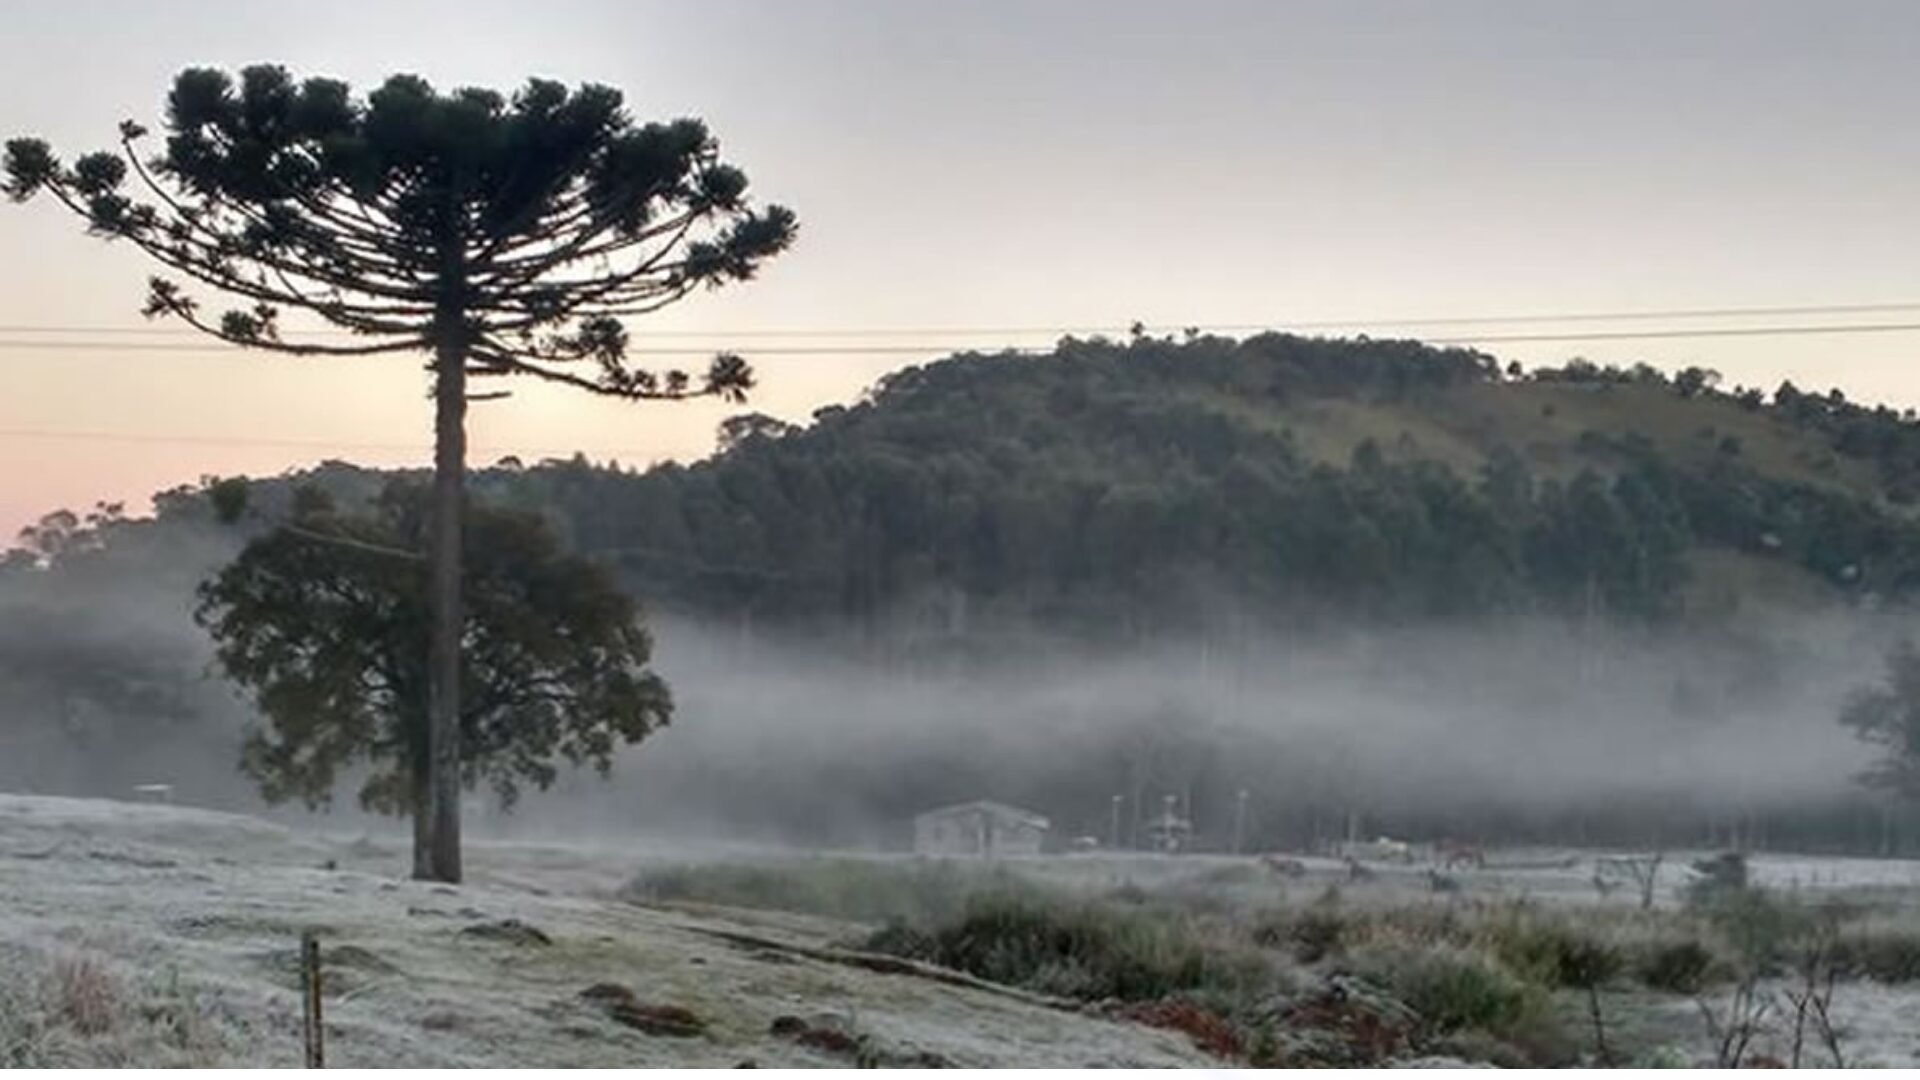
[(735, 430), (1888, 716), (1693, 381), (501, 236), (325, 637)]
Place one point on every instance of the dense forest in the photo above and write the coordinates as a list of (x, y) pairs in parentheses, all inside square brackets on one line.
[(1219, 509), (1127, 490)]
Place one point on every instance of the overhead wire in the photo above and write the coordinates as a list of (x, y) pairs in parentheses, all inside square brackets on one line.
[(933, 348), (859, 332)]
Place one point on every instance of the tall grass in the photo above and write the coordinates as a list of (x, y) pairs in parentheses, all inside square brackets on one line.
[(1083, 949), (73, 1010)]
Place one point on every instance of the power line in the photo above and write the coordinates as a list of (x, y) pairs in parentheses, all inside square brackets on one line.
[(218, 348), (295, 444), (1029, 331), (1721, 331), (934, 348), (415, 448)]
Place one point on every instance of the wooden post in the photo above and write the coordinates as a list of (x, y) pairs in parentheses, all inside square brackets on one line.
[(310, 991)]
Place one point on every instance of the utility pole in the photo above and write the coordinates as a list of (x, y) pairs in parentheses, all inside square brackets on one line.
[(1239, 821), (1114, 834)]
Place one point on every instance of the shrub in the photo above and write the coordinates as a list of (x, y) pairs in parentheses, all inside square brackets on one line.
[(1550, 951), (1079, 950), (84, 994), (1884, 954), (1454, 989), (1312, 934), (1758, 926), (1680, 967)]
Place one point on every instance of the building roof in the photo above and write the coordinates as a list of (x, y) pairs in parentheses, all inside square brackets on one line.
[(987, 806)]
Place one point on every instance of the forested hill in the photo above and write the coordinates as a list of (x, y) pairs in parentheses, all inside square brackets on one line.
[(1134, 490), (1143, 488)]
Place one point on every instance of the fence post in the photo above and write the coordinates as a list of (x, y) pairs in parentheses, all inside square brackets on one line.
[(310, 990)]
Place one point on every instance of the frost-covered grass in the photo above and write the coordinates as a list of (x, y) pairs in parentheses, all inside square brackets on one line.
[(152, 935), (145, 935), (78, 1010)]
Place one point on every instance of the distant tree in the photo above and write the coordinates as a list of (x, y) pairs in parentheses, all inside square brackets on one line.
[(503, 237), (1888, 717), (325, 638), (1693, 381), (735, 430)]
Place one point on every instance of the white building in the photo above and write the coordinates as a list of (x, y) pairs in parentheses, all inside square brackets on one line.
[(979, 828)]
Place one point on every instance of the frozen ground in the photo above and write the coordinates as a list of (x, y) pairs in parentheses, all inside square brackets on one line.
[(139, 934), (182, 927), (1558, 875)]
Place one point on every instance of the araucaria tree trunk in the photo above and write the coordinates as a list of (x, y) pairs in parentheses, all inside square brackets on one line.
[(442, 862)]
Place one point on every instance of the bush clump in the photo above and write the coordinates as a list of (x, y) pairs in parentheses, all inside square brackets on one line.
[(1679, 967), (1312, 934), (1884, 954), (1552, 952), (1454, 989), (1079, 950)]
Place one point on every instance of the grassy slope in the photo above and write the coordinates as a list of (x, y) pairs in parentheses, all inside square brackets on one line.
[(1460, 427), (142, 935), (1545, 421)]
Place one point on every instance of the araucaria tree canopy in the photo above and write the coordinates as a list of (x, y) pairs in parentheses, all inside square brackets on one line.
[(503, 236), (528, 226)]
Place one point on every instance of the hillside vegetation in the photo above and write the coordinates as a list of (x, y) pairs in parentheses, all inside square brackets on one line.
[(1127, 489)]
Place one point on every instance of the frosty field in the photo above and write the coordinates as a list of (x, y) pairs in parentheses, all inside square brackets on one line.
[(183, 927), (136, 934)]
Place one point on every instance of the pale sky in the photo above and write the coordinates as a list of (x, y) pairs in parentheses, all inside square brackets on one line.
[(1039, 163)]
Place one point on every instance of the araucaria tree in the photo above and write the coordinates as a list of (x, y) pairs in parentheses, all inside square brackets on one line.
[(325, 637), (500, 236)]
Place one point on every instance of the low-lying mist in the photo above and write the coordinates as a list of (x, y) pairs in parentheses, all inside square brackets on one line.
[(1512, 731), (1534, 731)]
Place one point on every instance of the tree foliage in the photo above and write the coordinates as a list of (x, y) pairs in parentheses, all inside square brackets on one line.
[(1888, 717), (325, 637), (536, 221)]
